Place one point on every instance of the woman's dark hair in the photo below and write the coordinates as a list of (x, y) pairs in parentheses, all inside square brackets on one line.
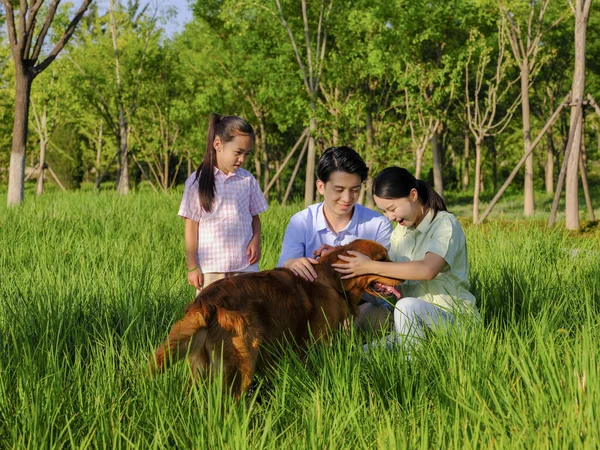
[(341, 159), (397, 182), (227, 128)]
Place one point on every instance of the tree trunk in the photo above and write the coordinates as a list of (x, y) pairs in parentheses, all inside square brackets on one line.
[(264, 151), (477, 181), (123, 181), (294, 173), (16, 173), (572, 176), (494, 154), (549, 172), (309, 181), (419, 163), (99, 152), (369, 203), (42, 128), (465, 174), (165, 176), (278, 182), (39, 186), (438, 163), (257, 164), (584, 178), (528, 202)]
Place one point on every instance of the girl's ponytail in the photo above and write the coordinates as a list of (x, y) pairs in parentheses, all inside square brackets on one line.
[(205, 175), (226, 128)]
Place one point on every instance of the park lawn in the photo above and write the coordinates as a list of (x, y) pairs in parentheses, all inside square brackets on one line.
[(91, 282)]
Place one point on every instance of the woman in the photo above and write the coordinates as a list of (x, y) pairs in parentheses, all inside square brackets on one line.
[(428, 249)]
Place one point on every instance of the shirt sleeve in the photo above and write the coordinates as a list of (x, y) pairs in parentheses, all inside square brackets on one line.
[(443, 241), (190, 203), (294, 245), (258, 203), (384, 233)]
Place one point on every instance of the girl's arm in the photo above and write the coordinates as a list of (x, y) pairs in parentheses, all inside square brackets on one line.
[(195, 277), (358, 264), (253, 251)]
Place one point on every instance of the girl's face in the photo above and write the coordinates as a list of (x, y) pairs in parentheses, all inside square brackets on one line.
[(340, 193), (231, 155), (406, 211)]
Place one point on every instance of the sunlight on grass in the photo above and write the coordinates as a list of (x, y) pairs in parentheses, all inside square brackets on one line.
[(92, 282)]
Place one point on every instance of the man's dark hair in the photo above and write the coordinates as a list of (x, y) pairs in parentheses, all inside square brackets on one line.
[(341, 159)]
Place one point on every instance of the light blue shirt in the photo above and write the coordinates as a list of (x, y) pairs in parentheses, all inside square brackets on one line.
[(308, 230)]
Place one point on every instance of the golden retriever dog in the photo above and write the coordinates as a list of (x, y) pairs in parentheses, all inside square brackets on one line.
[(226, 325)]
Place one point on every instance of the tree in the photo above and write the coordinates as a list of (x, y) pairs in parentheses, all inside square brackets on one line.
[(26, 54), (488, 92), (581, 10), (525, 45), (110, 61), (311, 68)]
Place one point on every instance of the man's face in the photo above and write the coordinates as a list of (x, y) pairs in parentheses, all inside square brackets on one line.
[(341, 192)]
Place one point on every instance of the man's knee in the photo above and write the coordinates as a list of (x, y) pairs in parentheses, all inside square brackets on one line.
[(371, 317)]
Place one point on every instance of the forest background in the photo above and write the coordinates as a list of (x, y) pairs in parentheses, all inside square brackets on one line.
[(455, 91)]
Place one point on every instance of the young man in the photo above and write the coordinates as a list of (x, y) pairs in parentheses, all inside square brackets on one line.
[(338, 220)]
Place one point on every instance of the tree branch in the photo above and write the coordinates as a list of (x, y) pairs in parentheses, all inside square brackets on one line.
[(63, 40), (30, 27)]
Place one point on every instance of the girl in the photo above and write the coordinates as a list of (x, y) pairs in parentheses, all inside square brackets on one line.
[(428, 249), (221, 203)]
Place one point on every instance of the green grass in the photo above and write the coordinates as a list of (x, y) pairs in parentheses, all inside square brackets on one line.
[(90, 284)]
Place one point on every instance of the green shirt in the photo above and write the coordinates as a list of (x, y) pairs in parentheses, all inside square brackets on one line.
[(445, 237)]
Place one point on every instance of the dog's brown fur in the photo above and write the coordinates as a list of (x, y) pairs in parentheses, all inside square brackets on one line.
[(231, 319)]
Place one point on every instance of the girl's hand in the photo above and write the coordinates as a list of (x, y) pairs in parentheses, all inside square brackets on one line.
[(253, 251), (196, 279), (303, 267), (356, 264)]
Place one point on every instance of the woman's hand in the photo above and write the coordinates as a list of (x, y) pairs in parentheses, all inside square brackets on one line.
[(302, 267), (323, 250), (196, 279), (253, 251), (355, 265)]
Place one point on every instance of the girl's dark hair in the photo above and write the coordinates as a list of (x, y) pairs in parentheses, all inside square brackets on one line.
[(397, 182), (341, 159), (227, 128)]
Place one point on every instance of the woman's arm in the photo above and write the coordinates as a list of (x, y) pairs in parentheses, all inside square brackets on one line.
[(358, 264)]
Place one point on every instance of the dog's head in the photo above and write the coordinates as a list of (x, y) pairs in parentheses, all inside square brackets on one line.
[(370, 283)]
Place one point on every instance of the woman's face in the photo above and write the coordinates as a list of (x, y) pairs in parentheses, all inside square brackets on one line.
[(406, 211), (340, 193)]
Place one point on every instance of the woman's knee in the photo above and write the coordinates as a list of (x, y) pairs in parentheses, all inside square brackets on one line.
[(409, 305)]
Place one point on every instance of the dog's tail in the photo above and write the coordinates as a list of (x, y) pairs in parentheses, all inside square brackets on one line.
[(191, 328)]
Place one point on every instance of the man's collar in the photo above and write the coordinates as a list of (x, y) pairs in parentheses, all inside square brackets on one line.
[(321, 221)]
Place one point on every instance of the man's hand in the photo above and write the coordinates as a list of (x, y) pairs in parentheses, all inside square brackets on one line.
[(302, 267)]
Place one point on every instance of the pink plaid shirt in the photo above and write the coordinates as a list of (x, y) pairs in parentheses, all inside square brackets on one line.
[(224, 233)]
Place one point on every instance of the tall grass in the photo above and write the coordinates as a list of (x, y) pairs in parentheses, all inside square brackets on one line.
[(90, 284)]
